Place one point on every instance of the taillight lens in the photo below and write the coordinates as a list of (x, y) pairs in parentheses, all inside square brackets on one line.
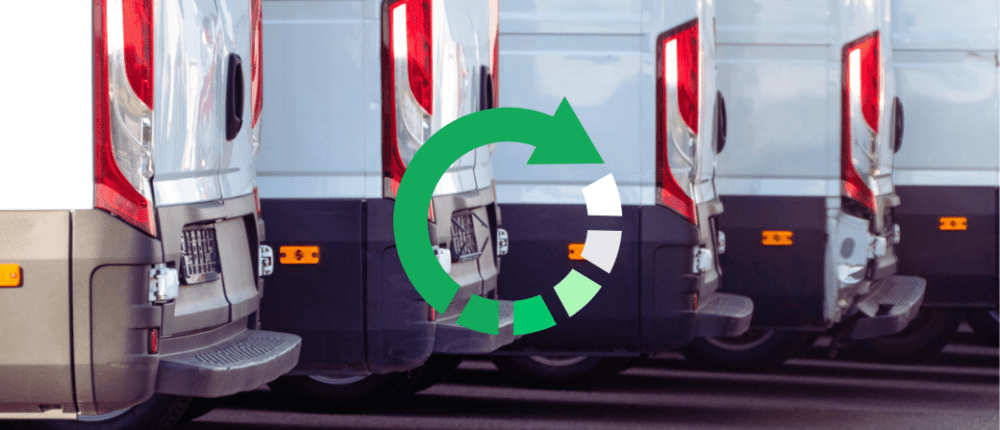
[(256, 61), (407, 86), (137, 17), (495, 50), (678, 58), (861, 106), (123, 110)]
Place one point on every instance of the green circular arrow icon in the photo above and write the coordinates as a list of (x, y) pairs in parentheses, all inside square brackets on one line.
[(558, 139)]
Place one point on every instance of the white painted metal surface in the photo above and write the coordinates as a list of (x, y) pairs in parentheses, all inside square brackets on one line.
[(946, 66), (193, 160), (601, 56), (780, 69), (47, 118)]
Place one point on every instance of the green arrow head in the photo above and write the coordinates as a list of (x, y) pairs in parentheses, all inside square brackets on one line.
[(570, 143)]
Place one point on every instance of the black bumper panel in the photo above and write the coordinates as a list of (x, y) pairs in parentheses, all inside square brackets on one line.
[(241, 364), (894, 304), (451, 338), (724, 315)]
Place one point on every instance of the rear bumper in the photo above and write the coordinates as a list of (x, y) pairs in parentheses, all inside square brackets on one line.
[(451, 338), (243, 363), (890, 308), (724, 315)]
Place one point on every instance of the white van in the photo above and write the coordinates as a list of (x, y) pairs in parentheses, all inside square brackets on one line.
[(807, 177), (130, 256), (641, 78), (946, 173), (354, 89)]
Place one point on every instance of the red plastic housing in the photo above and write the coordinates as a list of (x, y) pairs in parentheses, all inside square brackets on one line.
[(419, 58), (112, 191), (137, 18), (669, 192), (256, 61), (871, 91)]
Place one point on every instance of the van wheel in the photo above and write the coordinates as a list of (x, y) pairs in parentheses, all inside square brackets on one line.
[(985, 323), (160, 412), (345, 394), (929, 332), (752, 351), (575, 372), (435, 369), (199, 407)]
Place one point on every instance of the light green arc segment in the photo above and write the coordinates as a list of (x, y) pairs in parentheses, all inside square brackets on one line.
[(575, 291)]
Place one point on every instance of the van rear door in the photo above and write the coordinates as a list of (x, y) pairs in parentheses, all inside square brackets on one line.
[(204, 140)]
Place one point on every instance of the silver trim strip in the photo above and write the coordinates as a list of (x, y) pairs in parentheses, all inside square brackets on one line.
[(569, 193), (951, 177), (816, 187)]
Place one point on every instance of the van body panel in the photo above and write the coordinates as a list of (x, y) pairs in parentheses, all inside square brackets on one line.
[(601, 57), (194, 162), (320, 302), (95, 283), (543, 232), (781, 66), (946, 62), (760, 271), (122, 317), (49, 157), (37, 332), (321, 182), (960, 266)]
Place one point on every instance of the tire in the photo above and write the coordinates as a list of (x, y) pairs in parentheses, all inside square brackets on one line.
[(985, 324), (572, 372), (755, 350), (199, 407), (160, 412), (929, 332), (350, 394), (435, 369)]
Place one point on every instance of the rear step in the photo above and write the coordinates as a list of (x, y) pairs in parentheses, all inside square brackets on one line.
[(451, 338), (889, 310), (724, 315), (244, 363)]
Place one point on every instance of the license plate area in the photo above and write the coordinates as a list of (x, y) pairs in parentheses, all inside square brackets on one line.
[(199, 255), (463, 237)]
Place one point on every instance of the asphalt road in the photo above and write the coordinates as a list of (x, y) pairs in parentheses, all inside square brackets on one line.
[(957, 391)]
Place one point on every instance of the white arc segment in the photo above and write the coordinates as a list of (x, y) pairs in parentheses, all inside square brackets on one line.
[(602, 198), (601, 248)]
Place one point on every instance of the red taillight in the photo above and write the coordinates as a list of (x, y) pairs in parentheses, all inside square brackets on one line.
[(123, 135), (677, 105), (137, 17), (861, 102), (407, 86), (256, 61), (418, 45), (495, 50), (687, 74)]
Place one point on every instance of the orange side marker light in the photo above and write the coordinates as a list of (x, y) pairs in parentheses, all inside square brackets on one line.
[(776, 238), (953, 223), (10, 275), (298, 255)]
